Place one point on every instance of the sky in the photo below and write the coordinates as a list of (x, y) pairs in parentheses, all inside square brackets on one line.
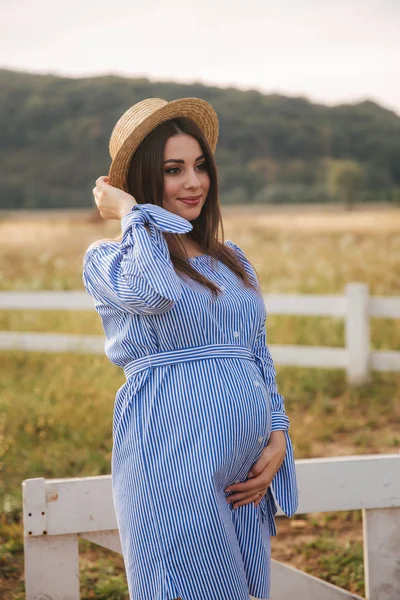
[(330, 51)]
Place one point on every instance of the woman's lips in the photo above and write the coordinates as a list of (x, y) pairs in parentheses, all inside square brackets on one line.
[(192, 201)]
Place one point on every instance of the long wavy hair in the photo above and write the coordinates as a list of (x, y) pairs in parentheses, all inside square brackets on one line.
[(145, 183)]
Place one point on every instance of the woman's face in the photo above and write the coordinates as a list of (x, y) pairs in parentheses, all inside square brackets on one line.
[(185, 176)]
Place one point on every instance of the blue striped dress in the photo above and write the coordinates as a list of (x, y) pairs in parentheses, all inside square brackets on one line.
[(197, 408)]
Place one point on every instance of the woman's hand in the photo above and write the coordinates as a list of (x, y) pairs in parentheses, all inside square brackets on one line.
[(261, 473), (112, 202)]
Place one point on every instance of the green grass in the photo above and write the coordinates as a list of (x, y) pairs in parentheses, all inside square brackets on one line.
[(102, 575), (338, 563)]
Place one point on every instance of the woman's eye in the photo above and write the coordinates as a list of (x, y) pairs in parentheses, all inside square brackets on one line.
[(176, 170)]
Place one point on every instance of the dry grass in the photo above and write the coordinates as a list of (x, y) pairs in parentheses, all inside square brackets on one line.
[(318, 219)]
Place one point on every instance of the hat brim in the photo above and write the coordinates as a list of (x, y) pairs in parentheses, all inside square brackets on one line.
[(200, 111)]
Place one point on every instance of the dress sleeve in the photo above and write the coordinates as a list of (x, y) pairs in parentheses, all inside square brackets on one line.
[(284, 483), (280, 420), (136, 275)]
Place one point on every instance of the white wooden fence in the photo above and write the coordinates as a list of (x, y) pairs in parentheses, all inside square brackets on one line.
[(57, 512), (356, 307)]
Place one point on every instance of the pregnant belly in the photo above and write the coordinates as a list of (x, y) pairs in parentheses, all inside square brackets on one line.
[(199, 423)]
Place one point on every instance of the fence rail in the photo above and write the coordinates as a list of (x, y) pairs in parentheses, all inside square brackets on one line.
[(57, 512), (356, 307)]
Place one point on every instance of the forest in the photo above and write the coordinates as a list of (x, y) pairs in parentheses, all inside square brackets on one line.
[(272, 148)]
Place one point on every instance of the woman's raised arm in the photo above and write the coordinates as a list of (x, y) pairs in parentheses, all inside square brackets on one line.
[(136, 275)]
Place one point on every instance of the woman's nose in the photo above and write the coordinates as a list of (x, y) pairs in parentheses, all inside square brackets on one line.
[(192, 180)]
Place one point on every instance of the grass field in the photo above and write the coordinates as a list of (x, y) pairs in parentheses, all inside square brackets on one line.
[(56, 410)]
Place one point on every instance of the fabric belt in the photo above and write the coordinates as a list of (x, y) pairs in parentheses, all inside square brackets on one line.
[(171, 357)]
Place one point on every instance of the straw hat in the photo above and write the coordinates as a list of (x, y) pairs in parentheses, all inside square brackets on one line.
[(139, 120)]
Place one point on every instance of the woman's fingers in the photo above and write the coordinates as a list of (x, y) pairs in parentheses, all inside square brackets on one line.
[(258, 484), (111, 201), (253, 483), (238, 497), (247, 501), (244, 492), (256, 498), (101, 179), (259, 479), (248, 493)]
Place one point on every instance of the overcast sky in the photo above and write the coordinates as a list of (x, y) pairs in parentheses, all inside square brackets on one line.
[(331, 51)]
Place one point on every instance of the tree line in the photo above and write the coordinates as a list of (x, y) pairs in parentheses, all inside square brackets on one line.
[(272, 148)]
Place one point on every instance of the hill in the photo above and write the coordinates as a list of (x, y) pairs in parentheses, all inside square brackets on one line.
[(272, 148)]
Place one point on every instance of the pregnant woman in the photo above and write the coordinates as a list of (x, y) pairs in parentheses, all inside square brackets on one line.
[(201, 450)]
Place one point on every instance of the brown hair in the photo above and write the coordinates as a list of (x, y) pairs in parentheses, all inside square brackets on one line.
[(146, 184)]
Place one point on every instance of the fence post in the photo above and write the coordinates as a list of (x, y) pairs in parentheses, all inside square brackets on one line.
[(51, 561), (381, 532), (357, 332), (52, 567)]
